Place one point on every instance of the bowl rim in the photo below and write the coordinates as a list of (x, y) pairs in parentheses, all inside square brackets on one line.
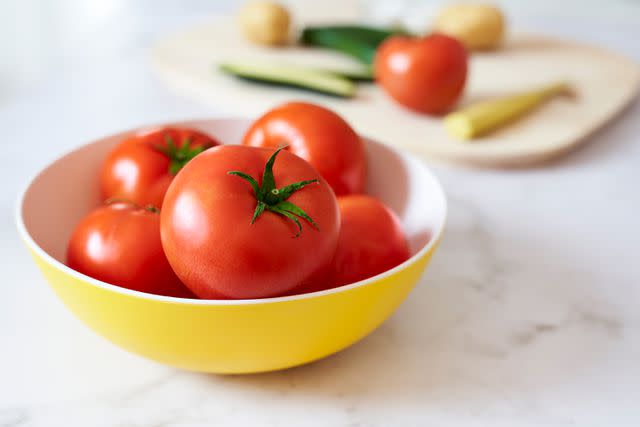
[(31, 243)]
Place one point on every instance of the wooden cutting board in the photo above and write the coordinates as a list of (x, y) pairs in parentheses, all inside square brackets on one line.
[(604, 82)]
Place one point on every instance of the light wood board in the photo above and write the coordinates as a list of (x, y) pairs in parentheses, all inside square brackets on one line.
[(604, 82)]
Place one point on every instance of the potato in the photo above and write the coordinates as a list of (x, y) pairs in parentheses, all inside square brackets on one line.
[(264, 22), (477, 26)]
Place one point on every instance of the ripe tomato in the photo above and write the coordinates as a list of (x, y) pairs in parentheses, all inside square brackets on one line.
[(425, 74), (371, 240), (319, 136), (228, 235), (141, 168), (120, 244)]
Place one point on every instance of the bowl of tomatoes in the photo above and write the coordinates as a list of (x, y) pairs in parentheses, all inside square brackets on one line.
[(230, 245)]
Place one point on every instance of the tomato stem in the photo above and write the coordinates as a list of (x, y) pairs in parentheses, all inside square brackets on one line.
[(149, 208), (274, 199), (112, 200), (152, 209), (179, 156)]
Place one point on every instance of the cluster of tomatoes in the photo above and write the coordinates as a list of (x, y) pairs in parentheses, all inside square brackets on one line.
[(283, 213)]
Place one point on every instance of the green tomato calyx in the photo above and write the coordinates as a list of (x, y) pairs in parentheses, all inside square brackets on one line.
[(274, 199), (114, 200), (179, 156)]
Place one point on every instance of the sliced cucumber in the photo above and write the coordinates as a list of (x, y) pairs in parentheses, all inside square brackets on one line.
[(371, 35), (293, 76), (357, 41), (364, 74), (361, 50)]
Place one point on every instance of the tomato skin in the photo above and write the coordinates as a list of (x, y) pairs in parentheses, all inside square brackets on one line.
[(138, 172), (120, 244), (371, 240), (426, 74), (319, 136), (211, 244)]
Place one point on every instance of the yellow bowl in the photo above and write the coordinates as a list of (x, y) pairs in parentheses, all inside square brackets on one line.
[(239, 336)]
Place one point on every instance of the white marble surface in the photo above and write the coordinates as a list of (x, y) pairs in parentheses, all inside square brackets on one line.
[(528, 315)]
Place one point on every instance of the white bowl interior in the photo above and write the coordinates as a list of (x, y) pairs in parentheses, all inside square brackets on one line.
[(59, 196)]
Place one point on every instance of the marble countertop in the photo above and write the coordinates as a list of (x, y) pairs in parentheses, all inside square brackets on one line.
[(527, 316)]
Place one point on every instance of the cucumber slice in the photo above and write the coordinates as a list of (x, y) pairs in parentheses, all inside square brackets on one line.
[(364, 74), (357, 41), (371, 35), (361, 50), (292, 76)]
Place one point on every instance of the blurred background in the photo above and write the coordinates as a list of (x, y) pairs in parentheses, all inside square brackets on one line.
[(43, 39)]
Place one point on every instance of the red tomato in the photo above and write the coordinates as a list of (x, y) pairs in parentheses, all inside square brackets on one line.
[(425, 74), (319, 136), (141, 168), (120, 244), (227, 237), (371, 240)]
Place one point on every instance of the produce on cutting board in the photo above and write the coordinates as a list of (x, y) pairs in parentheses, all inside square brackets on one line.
[(483, 117), (362, 74), (195, 218), (312, 79), (604, 83), (425, 74), (478, 26), (265, 22), (357, 41)]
